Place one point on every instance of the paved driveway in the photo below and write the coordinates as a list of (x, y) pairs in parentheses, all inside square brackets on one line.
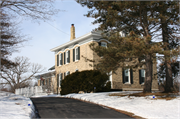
[(56, 107)]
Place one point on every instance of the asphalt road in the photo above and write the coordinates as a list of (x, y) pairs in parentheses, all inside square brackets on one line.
[(56, 107)]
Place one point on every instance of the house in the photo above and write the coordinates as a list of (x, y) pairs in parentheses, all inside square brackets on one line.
[(47, 80), (71, 57)]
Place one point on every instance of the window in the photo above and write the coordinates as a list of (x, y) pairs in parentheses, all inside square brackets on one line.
[(127, 76), (60, 79), (103, 44), (76, 70), (141, 76), (76, 54), (67, 57), (60, 59)]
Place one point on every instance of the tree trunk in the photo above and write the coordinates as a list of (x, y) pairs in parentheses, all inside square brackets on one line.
[(169, 79), (148, 59), (148, 77)]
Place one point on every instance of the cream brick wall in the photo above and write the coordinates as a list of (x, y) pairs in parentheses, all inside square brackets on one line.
[(83, 64), (118, 80)]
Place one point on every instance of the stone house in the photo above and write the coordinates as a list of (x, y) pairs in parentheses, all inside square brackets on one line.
[(71, 57)]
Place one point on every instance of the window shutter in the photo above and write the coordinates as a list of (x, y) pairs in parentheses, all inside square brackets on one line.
[(57, 60), (123, 74), (140, 81), (69, 56), (78, 53), (131, 75), (64, 57), (61, 58), (99, 43), (57, 80), (73, 55), (64, 74)]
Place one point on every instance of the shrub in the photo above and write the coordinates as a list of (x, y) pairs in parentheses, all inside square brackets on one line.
[(85, 81)]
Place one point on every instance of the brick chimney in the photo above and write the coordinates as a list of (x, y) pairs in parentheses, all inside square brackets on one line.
[(72, 32)]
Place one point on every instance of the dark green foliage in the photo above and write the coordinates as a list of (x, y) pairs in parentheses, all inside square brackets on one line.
[(85, 81)]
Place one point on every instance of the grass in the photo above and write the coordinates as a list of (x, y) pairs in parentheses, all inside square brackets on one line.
[(158, 95)]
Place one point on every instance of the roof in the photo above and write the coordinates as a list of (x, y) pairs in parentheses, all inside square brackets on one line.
[(90, 34), (52, 68)]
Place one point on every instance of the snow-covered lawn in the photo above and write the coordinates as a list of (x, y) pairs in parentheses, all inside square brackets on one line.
[(146, 107), (15, 107)]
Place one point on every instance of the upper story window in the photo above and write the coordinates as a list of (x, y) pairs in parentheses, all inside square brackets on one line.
[(127, 76), (67, 57), (141, 76), (103, 44), (76, 54), (60, 59)]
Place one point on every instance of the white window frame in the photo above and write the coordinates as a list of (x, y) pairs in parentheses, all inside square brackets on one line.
[(144, 75), (60, 78), (104, 44), (67, 57), (76, 54), (129, 76), (60, 59), (67, 73)]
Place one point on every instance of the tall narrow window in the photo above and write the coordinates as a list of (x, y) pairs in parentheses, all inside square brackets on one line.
[(141, 76), (60, 79), (76, 54), (127, 76), (60, 59), (57, 60), (67, 56)]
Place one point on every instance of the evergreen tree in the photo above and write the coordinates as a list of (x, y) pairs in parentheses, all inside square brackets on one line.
[(168, 14), (138, 16)]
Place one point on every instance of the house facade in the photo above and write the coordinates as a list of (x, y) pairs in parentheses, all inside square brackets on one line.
[(72, 56), (47, 80)]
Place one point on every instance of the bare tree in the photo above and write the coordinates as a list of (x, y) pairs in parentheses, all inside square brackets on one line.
[(34, 9), (19, 76)]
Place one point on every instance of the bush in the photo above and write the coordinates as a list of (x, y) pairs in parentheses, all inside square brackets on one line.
[(85, 81)]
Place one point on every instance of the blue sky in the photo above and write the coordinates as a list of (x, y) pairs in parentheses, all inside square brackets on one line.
[(45, 37)]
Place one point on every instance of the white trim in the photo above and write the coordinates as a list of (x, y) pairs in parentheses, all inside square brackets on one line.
[(144, 75), (76, 40), (76, 54), (67, 73), (129, 77), (110, 78), (60, 59), (60, 79)]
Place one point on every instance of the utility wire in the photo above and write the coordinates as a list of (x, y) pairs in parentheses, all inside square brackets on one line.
[(57, 29)]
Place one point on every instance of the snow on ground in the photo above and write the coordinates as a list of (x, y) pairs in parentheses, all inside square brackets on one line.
[(15, 107), (146, 107)]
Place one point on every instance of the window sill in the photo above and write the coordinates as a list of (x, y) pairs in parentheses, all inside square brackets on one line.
[(127, 83), (142, 83), (76, 61)]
